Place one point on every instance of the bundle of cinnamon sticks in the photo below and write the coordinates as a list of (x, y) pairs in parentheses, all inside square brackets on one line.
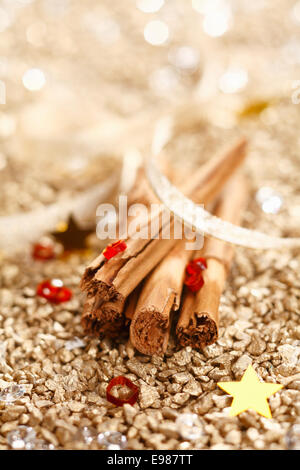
[(143, 286)]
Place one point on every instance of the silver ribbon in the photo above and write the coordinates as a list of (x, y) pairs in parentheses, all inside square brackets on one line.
[(198, 218)]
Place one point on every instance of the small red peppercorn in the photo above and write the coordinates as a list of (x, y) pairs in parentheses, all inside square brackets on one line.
[(113, 249), (54, 291), (194, 279), (120, 380), (43, 251)]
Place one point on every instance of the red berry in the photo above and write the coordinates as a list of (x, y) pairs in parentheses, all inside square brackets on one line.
[(114, 249), (54, 291), (43, 251)]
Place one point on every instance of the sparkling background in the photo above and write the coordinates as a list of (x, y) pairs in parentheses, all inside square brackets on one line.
[(82, 83)]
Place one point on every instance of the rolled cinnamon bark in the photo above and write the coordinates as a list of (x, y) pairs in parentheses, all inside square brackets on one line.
[(100, 320), (129, 310), (160, 296), (198, 323), (110, 282)]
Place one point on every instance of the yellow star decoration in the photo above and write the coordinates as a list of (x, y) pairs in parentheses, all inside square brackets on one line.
[(250, 393)]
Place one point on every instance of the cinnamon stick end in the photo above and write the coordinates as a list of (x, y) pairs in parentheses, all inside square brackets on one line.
[(103, 320), (149, 332), (201, 331)]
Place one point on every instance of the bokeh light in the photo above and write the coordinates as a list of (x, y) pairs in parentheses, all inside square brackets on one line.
[(149, 6), (185, 58), (34, 79), (156, 32), (200, 5), (233, 80), (269, 200), (216, 24)]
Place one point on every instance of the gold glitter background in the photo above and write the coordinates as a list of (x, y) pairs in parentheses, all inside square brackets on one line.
[(224, 68)]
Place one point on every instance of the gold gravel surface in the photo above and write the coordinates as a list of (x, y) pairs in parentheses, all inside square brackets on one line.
[(260, 308), (88, 98)]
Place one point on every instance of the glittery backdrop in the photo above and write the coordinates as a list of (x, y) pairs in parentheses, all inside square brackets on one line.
[(81, 84)]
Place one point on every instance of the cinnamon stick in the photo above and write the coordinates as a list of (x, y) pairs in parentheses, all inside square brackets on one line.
[(160, 296), (110, 283), (198, 323), (129, 310)]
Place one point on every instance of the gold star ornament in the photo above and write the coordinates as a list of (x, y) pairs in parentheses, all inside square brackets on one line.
[(250, 393)]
